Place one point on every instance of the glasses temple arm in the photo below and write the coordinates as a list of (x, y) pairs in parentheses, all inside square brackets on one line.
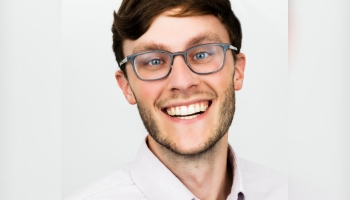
[(123, 61), (233, 48)]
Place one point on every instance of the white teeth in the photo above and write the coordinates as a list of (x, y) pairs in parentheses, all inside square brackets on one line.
[(189, 117), (197, 107), (171, 111), (177, 111), (191, 109), (202, 107), (182, 111)]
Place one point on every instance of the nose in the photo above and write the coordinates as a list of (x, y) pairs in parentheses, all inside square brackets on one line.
[(182, 79)]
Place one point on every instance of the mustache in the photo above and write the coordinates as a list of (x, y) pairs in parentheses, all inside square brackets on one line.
[(181, 97)]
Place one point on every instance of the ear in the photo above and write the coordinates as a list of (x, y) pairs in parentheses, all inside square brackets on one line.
[(239, 71), (125, 87)]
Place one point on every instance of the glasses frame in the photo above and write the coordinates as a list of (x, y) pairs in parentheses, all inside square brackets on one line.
[(131, 59)]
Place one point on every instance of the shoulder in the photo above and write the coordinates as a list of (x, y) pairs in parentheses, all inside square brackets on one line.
[(260, 182), (117, 185)]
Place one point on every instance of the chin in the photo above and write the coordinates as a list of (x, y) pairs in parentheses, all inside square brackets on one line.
[(190, 147)]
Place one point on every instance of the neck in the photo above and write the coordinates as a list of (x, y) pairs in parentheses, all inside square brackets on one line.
[(207, 175)]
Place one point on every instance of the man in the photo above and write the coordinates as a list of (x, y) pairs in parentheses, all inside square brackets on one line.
[(181, 64)]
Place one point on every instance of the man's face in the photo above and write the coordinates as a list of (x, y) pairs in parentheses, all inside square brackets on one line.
[(184, 90)]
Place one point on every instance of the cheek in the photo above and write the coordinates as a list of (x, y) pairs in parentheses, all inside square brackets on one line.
[(224, 78), (144, 91), (147, 92)]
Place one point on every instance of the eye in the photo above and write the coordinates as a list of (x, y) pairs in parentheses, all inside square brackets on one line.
[(155, 62), (201, 56)]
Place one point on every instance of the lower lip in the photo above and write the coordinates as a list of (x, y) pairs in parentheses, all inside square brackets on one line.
[(178, 120)]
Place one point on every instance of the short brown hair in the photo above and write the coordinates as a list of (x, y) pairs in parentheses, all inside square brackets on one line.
[(134, 18)]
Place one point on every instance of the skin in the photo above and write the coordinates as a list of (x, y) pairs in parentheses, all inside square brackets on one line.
[(201, 167)]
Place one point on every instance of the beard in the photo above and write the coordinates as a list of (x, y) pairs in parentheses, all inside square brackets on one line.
[(226, 112)]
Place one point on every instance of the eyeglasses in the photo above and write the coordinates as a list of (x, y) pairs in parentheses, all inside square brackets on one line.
[(202, 59)]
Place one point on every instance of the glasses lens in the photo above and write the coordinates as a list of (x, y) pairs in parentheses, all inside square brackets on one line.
[(206, 58), (152, 65)]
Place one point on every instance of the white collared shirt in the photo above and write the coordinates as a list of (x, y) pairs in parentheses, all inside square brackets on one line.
[(148, 178)]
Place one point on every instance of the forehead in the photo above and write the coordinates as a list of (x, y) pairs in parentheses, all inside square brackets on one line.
[(178, 33)]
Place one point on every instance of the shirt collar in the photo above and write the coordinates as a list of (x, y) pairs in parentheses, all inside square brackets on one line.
[(157, 182)]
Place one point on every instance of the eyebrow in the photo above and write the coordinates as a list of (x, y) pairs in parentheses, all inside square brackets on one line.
[(206, 37), (149, 47)]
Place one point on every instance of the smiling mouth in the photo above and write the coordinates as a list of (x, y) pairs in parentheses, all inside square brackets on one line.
[(188, 112)]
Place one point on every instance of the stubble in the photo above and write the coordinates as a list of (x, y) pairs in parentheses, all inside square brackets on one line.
[(227, 110)]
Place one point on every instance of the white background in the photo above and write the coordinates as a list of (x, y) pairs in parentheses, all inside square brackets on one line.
[(101, 131), (33, 92)]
